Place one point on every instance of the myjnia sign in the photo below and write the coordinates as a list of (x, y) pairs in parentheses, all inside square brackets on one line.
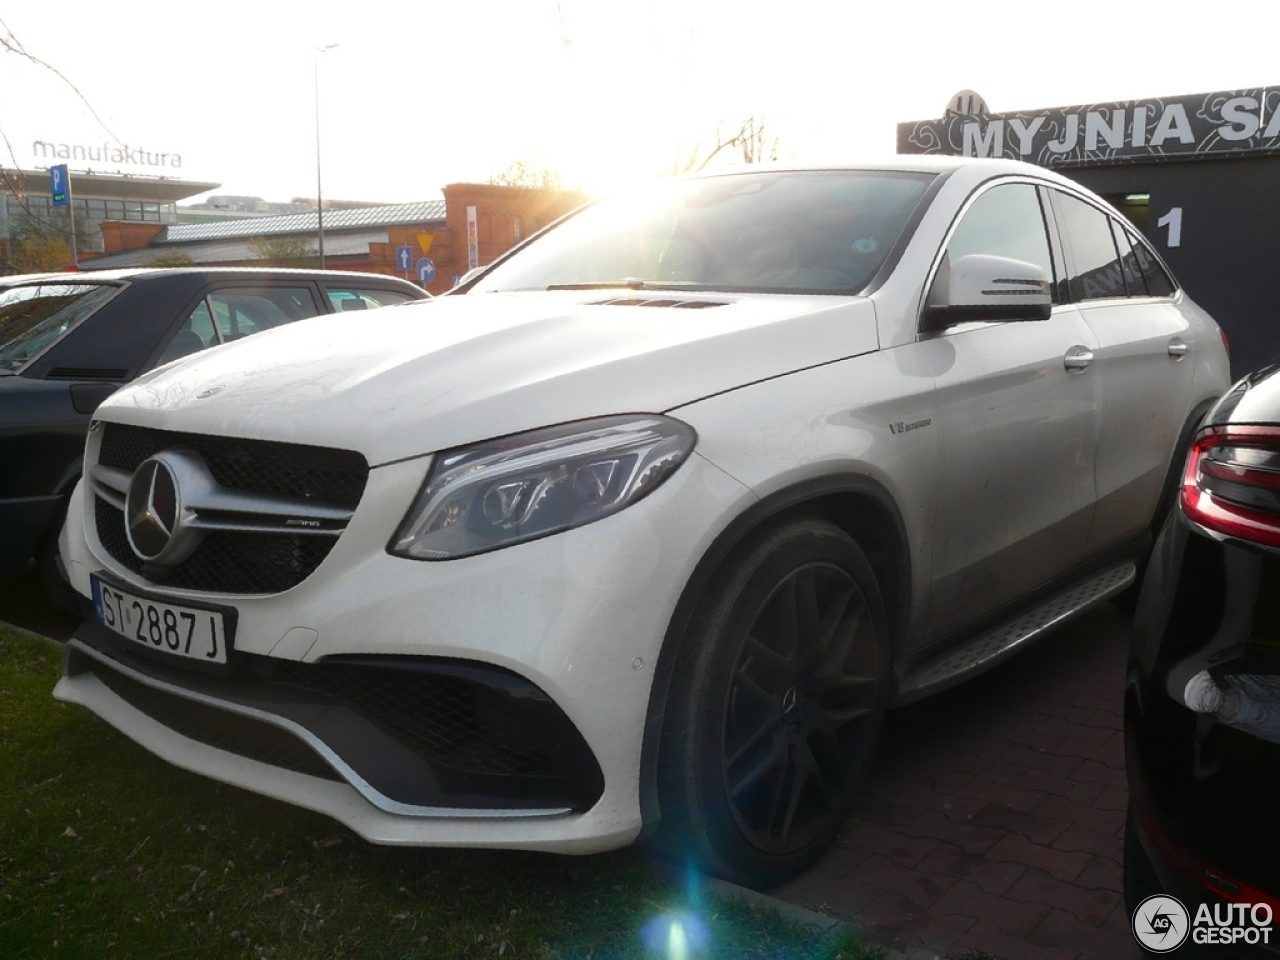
[(1202, 124)]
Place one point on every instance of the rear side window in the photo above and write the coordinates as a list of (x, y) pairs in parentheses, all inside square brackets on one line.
[(1133, 277), (34, 317), (1097, 273), (1157, 280), (240, 313), (344, 299)]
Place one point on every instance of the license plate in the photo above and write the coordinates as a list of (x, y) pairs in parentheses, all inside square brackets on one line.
[(196, 633)]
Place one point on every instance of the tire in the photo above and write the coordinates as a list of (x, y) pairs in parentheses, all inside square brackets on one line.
[(1140, 880), (776, 706), (60, 593)]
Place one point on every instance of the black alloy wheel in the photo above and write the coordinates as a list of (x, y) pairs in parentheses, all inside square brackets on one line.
[(777, 706)]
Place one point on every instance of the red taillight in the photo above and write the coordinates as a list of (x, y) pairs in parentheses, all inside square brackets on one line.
[(1226, 344), (1232, 483), (1228, 887)]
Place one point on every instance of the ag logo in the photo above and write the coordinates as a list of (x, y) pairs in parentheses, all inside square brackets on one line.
[(1161, 924)]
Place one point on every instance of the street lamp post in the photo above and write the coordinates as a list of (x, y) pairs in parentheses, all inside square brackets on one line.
[(315, 63)]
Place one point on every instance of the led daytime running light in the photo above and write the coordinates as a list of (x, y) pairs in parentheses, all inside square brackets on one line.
[(531, 485)]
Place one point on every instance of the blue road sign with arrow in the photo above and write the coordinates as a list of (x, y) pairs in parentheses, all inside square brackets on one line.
[(404, 257), (426, 270), (60, 185)]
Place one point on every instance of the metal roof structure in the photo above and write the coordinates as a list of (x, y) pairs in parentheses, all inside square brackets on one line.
[(390, 215), (232, 250), (88, 185)]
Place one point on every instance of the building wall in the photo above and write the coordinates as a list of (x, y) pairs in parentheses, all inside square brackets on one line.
[(504, 216), (118, 236)]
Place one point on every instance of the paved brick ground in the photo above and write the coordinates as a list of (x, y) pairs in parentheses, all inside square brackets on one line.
[(993, 823)]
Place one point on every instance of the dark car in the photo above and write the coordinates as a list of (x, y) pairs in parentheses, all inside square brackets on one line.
[(1202, 700), (68, 341)]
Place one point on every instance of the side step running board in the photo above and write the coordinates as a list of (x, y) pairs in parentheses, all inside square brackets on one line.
[(1005, 639)]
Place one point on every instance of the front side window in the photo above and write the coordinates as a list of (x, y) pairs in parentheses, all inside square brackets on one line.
[(35, 316), (1098, 274), (812, 232), (195, 334), (1006, 221), (231, 313)]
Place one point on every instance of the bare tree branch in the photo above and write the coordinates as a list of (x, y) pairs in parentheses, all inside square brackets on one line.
[(749, 141), (13, 45), (529, 173), (15, 181)]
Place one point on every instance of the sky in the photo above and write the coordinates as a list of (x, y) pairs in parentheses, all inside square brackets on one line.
[(608, 92)]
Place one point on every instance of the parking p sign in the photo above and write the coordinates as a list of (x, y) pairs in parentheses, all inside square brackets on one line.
[(59, 185)]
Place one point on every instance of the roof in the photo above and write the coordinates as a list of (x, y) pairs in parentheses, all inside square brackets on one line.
[(106, 186), (424, 211), (130, 274), (233, 250)]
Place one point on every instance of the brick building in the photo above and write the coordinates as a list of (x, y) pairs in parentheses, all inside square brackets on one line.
[(471, 226)]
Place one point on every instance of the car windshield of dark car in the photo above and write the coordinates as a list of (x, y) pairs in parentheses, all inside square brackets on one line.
[(34, 316), (804, 232)]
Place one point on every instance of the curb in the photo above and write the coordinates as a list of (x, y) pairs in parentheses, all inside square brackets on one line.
[(818, 924), (811, 921), (30, 634)]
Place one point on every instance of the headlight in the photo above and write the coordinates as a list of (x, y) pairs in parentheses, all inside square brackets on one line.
[(533, 484)]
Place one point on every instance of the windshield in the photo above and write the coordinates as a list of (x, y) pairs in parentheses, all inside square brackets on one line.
[(808, 232), (33, 317)]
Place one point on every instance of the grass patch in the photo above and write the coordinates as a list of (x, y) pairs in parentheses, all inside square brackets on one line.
[(106, 851)]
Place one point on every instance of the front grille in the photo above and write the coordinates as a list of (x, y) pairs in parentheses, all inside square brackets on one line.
[(335, 477), (231, 732), (235, 562), (245, 563)]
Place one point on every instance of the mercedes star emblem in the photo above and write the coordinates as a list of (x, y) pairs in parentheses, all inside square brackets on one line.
[(152, 509)]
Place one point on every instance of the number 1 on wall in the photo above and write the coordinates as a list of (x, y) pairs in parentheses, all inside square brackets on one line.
[(1172, 220)]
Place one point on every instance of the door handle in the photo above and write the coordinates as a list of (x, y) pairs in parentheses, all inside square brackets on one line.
[(1078, 359), (1178, 348)]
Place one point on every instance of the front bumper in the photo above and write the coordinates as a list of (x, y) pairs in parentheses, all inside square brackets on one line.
[(579, 617)]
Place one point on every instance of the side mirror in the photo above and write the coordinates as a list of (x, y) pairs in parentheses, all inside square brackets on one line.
[(980, 287)]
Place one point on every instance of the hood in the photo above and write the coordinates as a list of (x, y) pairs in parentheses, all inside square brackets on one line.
[(412, 379)]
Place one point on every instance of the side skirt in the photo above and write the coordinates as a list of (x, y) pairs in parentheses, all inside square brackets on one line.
[(990, 646)]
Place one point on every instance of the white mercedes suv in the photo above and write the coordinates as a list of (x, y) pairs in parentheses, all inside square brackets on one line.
[(644, 528)]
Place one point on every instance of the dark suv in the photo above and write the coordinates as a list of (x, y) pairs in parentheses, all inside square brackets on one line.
[(69, 340), (1202, 700)]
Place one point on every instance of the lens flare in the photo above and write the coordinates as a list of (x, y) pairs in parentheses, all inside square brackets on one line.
[(676, 936)]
